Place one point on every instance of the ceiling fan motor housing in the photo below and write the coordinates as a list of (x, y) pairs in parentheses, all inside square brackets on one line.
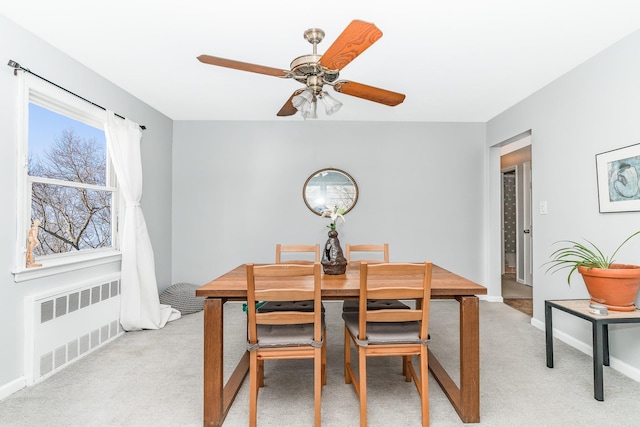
[(308, 70), (309, 65)]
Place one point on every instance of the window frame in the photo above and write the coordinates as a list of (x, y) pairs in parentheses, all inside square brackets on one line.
[(34, 90)]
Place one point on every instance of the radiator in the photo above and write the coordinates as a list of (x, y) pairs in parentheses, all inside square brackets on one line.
[(66, 324)]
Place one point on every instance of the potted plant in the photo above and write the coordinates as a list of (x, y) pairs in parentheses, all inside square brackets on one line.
[(613, 285)]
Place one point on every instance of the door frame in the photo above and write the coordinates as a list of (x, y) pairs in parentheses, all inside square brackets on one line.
[(527, 225)]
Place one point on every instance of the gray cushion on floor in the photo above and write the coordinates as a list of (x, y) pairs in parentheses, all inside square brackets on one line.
[(182, 297)]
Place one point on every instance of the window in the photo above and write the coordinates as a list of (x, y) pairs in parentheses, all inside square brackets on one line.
[(66, 183)]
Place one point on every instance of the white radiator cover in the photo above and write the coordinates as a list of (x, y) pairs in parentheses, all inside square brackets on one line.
[(67, 323)]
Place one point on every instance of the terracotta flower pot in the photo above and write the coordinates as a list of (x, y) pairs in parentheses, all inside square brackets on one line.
[(615, 287)]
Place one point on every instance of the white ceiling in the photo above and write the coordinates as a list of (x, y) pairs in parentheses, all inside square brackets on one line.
[(456, 60)]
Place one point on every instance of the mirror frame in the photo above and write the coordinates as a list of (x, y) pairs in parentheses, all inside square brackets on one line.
[(313, 175)]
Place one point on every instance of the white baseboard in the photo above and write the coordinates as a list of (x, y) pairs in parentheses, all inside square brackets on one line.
[(8, 389), (620, 366)]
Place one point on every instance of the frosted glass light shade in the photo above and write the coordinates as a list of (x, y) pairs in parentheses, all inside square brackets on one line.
[(309, 110), (331, 105), (304, 97)]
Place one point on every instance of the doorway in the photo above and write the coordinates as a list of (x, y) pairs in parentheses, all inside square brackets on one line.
[(517, 231)]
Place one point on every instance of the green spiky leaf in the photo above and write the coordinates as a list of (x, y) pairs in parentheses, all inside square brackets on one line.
[(575, 254)]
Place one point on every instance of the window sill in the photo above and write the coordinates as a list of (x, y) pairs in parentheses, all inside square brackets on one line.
[(61, 265)]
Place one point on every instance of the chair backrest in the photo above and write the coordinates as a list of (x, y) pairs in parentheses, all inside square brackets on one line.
[(381, 253), (312, 252), (283, 282), (390, 281)]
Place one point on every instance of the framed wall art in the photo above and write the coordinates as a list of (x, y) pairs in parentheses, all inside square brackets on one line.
[(618, 173)]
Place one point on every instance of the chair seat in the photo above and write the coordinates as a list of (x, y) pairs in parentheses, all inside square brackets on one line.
[(383, 332), (352, 305), (286, 335), (271, 306)]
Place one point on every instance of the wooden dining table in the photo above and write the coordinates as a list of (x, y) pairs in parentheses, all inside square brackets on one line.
[(232, 286)]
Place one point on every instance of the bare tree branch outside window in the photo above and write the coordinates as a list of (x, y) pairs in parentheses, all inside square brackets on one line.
[(74, 213)]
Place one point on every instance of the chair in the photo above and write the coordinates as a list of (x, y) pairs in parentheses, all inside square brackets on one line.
[(310, 251), (284, 334), (299, 249), (397, 332), (382, 252)]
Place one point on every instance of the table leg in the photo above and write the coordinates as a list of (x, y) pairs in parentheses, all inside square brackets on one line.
[(466, 399), (218, 397), (548, 330), (605, 346), (598, 357), (470, 359), (213, 363)]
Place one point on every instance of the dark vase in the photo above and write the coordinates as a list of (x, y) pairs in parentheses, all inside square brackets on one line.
[(333, 260)]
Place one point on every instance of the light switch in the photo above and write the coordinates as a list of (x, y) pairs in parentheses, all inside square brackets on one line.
[(543, 208)]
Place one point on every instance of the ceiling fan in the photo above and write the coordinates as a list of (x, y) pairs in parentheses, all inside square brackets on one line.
[(315, 71)]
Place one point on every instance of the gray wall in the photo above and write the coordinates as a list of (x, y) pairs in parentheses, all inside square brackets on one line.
[(237, 190), (592, 109), (43, 59)]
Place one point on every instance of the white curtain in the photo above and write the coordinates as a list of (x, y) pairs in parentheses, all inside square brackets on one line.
[(140, 306)]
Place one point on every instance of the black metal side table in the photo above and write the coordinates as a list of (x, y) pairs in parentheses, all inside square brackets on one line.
[(600, 324)]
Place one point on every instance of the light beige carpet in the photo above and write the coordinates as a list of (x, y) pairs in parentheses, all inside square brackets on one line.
[(154, 378)]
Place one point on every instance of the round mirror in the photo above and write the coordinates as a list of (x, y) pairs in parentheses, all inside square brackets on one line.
[(330, 187)]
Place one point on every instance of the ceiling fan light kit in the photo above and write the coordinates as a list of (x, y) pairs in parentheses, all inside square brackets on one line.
[(315, 71), (306, 101)]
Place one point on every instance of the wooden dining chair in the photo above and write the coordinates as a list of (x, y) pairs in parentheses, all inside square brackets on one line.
[(397, 332), (284, 334), (306, 254), (312, 253), (374, 254)]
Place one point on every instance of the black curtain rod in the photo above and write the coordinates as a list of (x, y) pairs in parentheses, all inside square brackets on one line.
[(17, 67)]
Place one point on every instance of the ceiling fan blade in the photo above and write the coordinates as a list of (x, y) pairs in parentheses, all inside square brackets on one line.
[(354, 40), (243, 66), (288, 109), (369, 93)]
